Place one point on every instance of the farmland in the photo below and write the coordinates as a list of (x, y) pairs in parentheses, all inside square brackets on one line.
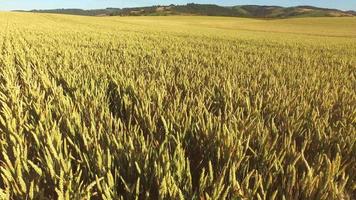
[(177, 107)]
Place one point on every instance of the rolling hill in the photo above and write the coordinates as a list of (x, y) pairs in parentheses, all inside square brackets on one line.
[(251, 11)]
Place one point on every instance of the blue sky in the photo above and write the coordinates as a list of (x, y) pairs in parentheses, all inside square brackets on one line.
[(90, 4)]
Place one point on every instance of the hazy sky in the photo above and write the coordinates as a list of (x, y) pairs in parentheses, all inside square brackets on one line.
[(89, 4)]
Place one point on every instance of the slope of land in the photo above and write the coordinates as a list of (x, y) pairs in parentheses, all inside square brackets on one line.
[(177, 107), (253, 11)]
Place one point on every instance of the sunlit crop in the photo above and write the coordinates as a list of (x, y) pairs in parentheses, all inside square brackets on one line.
[(177, 108)]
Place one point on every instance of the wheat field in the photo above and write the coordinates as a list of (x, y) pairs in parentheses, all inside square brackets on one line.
[(179, 107)]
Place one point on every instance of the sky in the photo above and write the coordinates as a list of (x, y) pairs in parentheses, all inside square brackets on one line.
[(92, 4)]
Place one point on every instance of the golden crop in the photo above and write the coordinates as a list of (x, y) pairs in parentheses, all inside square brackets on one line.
[(177, 108)]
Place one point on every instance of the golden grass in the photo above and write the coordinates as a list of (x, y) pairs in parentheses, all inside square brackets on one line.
[(177, 107)]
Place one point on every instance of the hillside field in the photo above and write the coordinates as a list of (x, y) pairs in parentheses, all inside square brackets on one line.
[(177, 107)]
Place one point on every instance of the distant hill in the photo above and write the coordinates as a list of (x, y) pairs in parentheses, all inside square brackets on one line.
[(282, 12), (251, 11), (97, 12)]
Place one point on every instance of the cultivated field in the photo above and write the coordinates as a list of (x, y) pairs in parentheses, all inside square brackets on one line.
[(177, 108)]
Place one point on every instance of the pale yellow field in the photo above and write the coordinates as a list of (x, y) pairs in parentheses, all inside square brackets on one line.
[(177, 107)]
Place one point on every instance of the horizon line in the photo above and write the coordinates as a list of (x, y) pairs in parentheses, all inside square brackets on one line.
[(271, 5)]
